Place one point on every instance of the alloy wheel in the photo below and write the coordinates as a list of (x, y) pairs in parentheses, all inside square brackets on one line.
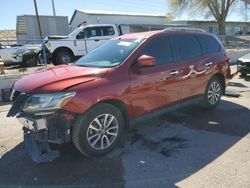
[(102, 131), (214, 93)]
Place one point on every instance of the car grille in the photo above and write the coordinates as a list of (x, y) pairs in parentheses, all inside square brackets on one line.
[(244, 64), (14, 95)]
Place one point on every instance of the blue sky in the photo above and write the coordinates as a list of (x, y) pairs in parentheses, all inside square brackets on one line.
[(9, 9)]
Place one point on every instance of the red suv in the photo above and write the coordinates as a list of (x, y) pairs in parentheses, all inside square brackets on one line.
[(133, 76)]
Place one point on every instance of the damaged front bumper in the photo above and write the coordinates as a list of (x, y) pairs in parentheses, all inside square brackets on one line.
[(40, 131), (42, 128)]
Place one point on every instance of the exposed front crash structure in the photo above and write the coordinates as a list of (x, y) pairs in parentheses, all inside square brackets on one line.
[(41, 127)]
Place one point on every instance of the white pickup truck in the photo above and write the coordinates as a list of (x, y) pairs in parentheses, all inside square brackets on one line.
[(63, 49), (22, 55)]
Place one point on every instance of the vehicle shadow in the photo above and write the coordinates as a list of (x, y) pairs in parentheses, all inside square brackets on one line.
[(71, 169), (156, 153)]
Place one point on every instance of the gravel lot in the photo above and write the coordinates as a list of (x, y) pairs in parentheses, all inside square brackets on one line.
[(187, 148)]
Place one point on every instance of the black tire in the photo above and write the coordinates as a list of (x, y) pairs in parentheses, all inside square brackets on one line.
[(63, 57), (208, 102), (31, 61), (82, 129)]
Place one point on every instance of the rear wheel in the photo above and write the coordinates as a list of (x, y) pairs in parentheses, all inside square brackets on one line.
[(213, 93), (99, 130), (63, 57)]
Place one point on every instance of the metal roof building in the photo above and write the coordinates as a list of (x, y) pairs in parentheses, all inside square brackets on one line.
[(27, 27), (134, 21)]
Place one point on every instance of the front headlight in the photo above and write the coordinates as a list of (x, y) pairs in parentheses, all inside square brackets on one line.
[(45, 102), (48, 45)]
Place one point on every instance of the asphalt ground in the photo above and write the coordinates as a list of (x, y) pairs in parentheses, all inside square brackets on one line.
[(190, 147)]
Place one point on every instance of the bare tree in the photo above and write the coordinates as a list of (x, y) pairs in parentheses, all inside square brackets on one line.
[(219, 9)]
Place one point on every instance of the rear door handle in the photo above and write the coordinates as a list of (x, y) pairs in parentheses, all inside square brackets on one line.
[(97, 40), (174, 72), (209, 64)]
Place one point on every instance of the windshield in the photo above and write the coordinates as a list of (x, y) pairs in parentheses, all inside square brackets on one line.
[(109, 54), (75, 32)]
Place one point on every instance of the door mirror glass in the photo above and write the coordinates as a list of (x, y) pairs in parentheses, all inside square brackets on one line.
[(145, 61)]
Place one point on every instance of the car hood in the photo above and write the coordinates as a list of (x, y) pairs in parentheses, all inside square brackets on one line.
[(245, 58), (58, 78)]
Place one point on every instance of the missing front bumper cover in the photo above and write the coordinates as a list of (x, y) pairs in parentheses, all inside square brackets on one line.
[(38, 150)]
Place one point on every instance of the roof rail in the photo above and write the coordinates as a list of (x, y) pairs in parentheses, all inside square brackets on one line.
[(183, 29)]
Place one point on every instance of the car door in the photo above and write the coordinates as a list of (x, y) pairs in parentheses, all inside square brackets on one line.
[(195, 67), (92, 37), (99, 35), (153, 88)]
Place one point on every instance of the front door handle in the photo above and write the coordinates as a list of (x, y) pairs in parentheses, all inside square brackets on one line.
[(209, 64), (174, 72), (97, 40)]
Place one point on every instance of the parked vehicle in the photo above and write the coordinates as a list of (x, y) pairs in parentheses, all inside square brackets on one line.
[(244, 64), (128, 78), (20, 55), (63, 49)]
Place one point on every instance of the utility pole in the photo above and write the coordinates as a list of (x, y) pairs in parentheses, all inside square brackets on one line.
[(38, 21), (53, 6), (40, 32)]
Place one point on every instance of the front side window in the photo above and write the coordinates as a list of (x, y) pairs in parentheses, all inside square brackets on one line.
[(161, 49), (109, 54), (187, 47)]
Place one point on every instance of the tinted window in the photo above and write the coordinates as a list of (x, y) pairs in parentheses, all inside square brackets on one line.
[(161, 49), (107, 31), (209, 44), (187, 46), (96, 32)]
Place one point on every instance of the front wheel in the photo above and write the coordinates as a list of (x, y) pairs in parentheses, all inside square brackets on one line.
[(213, 93), (63, 57), (99, 130)]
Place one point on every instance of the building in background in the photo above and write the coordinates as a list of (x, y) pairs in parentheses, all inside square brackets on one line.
[(27, 27), (136, 22), (232, 27), (131, 22)]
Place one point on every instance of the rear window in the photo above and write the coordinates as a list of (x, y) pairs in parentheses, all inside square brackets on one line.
[(187, 46), (209, 44)]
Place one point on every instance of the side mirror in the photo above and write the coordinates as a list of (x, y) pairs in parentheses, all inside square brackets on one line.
[(78, 36), (145, 61)]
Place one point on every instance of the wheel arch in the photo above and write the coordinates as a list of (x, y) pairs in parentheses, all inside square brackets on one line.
[(63, 48), (120, 105)]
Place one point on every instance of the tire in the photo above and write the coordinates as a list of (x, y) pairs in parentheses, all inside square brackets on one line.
[(31, 62), (63, 57), (213, 93), (88, 137)]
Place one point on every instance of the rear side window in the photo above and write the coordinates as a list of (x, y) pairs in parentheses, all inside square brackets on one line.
[(161, 49), (209, 44), (187, 46), (107, 31)]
